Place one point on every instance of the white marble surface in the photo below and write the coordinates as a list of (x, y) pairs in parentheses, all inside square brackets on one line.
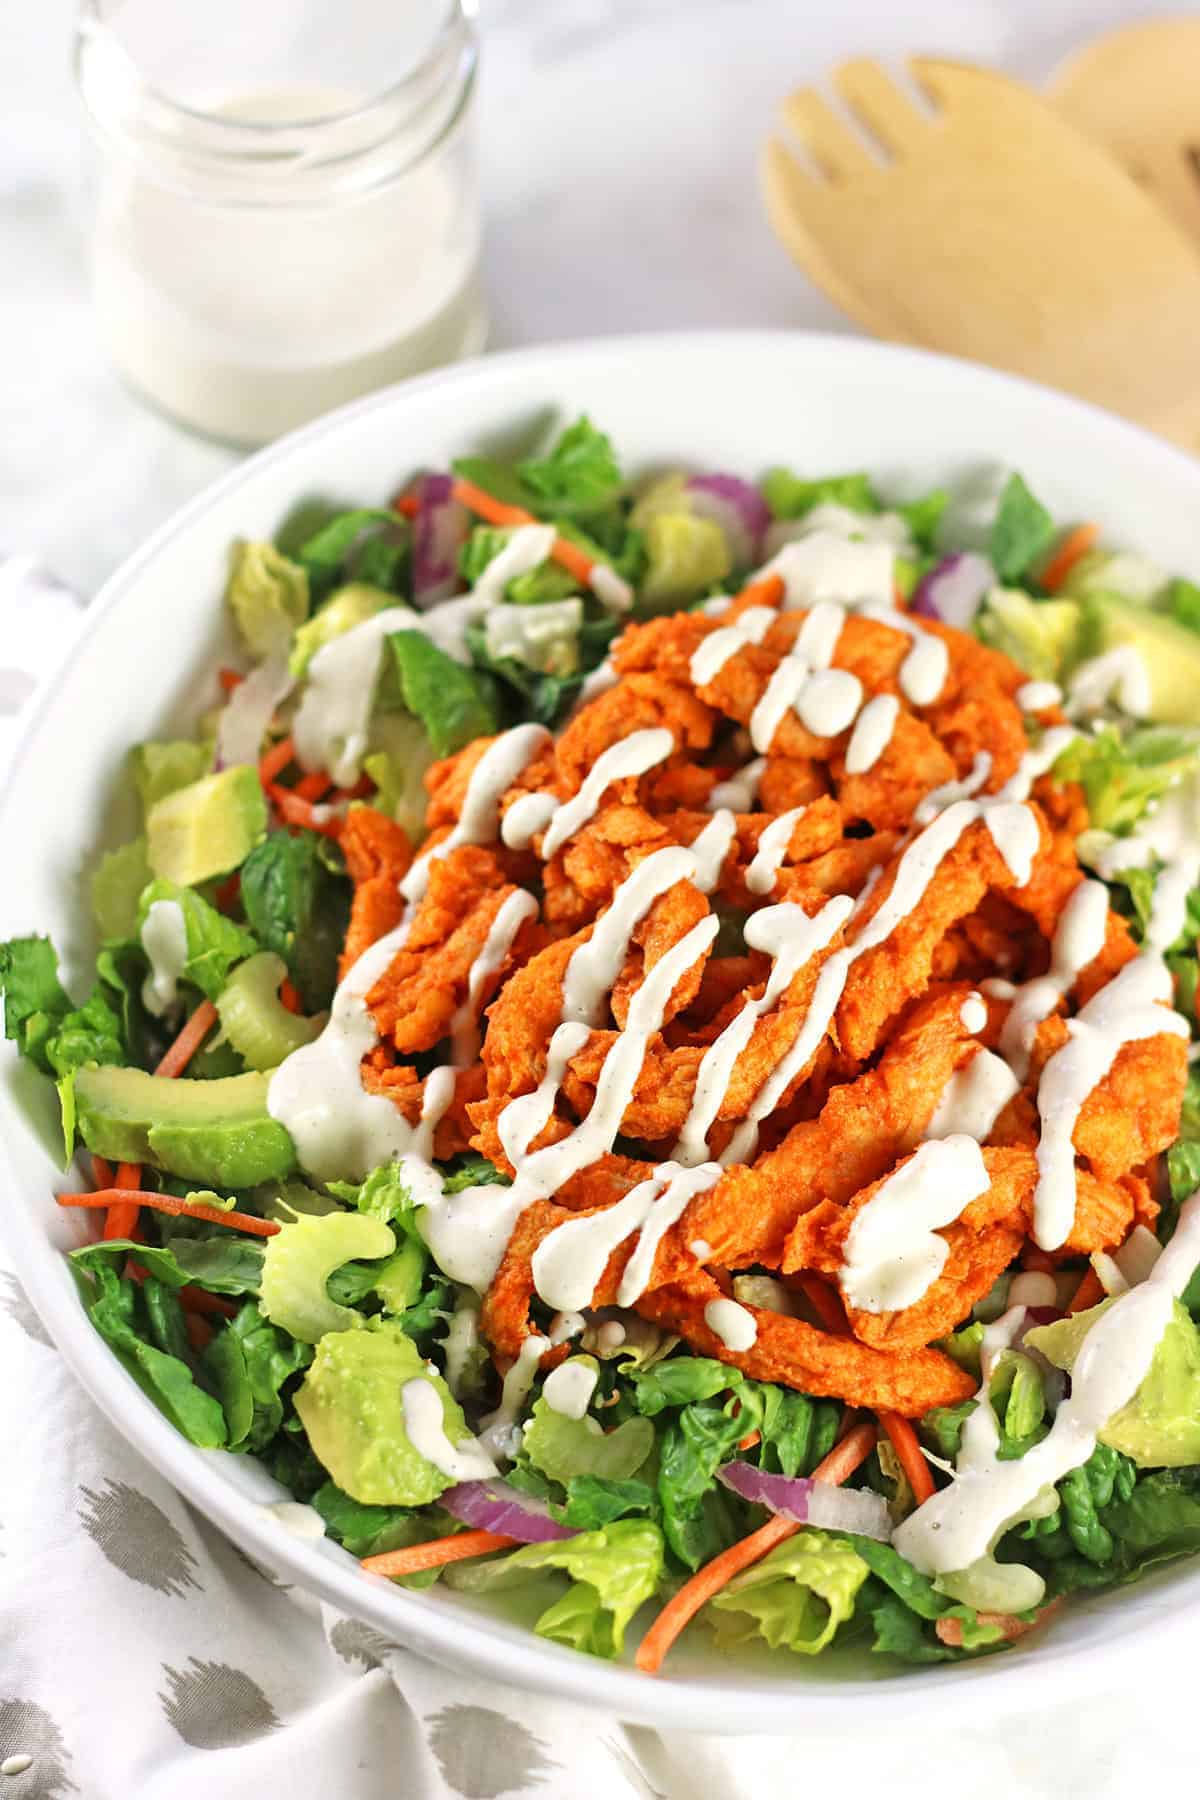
[(618, 143)]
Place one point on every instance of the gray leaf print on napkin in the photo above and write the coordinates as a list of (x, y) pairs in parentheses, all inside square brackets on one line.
[(15, 1302), (28, 1730), (214, 1707), (482, 1754), (138, 1538), (356, 1642)]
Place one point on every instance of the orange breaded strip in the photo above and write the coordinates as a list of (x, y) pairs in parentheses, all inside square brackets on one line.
[(638, 702), (798, 1355), (378, 854)]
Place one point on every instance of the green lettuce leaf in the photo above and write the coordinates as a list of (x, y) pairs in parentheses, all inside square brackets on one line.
[(249, 1362), (1182, 601), (924, 515), (612, 1572), (593, 1502), (580, 475), (163, 768), (297, 903), (790, 496), (455, 704), (473, 1171), (370, 1530), (35, 1002), (562, 1448), (214, 943), (1122, 775), (795, 1598), (325, 557), (118, 1311), (1022, 531), (116, 887)]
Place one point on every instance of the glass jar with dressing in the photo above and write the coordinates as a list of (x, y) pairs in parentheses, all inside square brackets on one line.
[(285, 206)]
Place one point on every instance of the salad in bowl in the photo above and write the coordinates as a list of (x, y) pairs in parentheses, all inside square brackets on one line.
[(642, 1055)]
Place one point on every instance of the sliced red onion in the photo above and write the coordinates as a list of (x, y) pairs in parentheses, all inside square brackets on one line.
[(246, 716), (440, 528), (810, 1502), (495, 1506), (1137, 1255), (737, 508), (953, 591)]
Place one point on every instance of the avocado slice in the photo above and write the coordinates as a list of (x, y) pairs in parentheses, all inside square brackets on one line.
[(216, 1133), (352, 605), (208, 827), (1170, 652)]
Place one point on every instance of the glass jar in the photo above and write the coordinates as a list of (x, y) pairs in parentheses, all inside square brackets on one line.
[(285, 210)]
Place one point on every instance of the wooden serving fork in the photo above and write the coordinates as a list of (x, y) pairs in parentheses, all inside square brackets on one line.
[(1137, 92), (985, 225)]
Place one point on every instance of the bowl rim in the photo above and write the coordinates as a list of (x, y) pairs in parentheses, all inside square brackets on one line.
[(450, 1637)]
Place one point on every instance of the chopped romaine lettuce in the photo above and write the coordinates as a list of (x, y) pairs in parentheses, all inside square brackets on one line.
[(561, 1447), (1122, 773), (455, 704), (267, 594), (214, 943), (249, 1362), (297, 903), (1041, 636), (160, 769), (1022, 531), (349, 606), (790, 496), (795, 1598), (543, 638), (119, 1311), (580, 475), (1160, 1426)]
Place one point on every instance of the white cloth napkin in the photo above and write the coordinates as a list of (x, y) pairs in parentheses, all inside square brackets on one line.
[(143, 1657)]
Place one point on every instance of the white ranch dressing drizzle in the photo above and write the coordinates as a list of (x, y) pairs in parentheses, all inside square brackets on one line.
[(501, 764), (882, 528), (1119, 675), (298, 1520), (1078, 940), (569, 1388), (602, 678), (1129, 1009), (634, 755), (711, 847), (777, 699), (1169, 835), (732, 1322), (464, 1027), (594, 967), (527, 1116), (425, 1424), (527, 548), (1035, 762), (817, 638), (973, 1098), (566, 1325), (1036, 696), (611, 590), (872, 733), (763, 871), (720, 646), (826, 565), (924, 670), (959, 1524), (499, 1429), (740, 792), (973, 1013), (330, 727), (893, 1252), (458, 1345), (526, 817), (681, 1187), (164, 939), (829, 701)]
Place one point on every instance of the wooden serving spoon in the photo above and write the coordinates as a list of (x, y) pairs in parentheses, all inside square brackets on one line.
[(986, 225), (1137, 92)]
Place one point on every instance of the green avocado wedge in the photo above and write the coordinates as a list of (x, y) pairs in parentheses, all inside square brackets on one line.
[(217, 1133)]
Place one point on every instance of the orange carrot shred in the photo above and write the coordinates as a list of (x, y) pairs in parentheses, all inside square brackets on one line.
[(905, 1443), (750, 1440), (314, 786), (293, 809), (836, 1468), (1074, 545), (189, 1040), (498, 512), (229, 679), (1090, 1292), (276, 760), (199, 1331), (198, 1300), (825, 1302), (457, 1548), (289, 997), (169, 1203), (407, 505)]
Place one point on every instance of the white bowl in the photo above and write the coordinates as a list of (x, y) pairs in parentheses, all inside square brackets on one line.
[(739, 401)]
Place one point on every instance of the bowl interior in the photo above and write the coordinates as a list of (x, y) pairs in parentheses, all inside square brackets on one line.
[(145, 663)]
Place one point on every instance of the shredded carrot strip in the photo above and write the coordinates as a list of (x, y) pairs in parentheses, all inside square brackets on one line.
[(294, 810), (751, 1438), (168, 1203), (314, 786), (905, 1443), (768, 590), (102, 1172), (229, 679), (825, 1303), (498, 512), (199, 1300), (289, 997), (836, 1468), (1036, 1260), (122, 1219), (1074, 545), (199, 1331), (228, 893), (189, 1040), (407, 505), (276, 760), (458, 1548), (1090, 1292)]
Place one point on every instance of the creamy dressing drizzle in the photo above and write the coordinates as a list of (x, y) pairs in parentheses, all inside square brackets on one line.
[(681, 1185), (763, 871), (713, 652), (893, 1252), (464, 1027), (829, 701), (593, 969), (498, 768), (528, 815), (733, 1323), (1078, 940), (740, 792), (973, 1098), (527, 548), (569, 1388), (825, 565), (711, 847), (1133, 1006), (960, 1524), (425, 1424), (1170, 835), (872, 733), (973, 1014), (924, 670), (634, 755), (499, 1434), (1036, 696), (164, 939), (1119, 675), (777, 699), (611, 590), (330, 727)]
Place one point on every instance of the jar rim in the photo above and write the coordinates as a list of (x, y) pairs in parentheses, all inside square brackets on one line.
[(360, 146)]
